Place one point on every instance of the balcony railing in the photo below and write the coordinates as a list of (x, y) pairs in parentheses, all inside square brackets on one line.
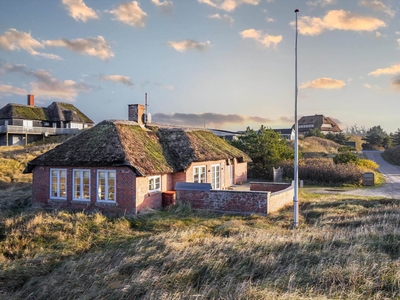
[(37, 130)]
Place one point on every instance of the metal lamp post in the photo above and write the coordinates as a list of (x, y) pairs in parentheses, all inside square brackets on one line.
[(296, 143)]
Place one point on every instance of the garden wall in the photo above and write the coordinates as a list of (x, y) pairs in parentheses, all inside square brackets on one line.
[(247, 202)]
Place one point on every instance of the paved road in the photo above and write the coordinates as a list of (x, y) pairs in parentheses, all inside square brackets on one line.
[(391, 188)]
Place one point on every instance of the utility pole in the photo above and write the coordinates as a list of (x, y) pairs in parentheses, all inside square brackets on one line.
[(296, 141)]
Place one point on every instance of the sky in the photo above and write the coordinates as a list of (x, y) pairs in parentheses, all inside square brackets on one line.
[(224, 64)]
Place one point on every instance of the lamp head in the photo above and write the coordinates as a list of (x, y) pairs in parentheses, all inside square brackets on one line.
[(296, 11)]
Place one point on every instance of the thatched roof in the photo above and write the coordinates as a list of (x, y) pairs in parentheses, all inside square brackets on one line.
[(19, 111), (57, 111), (149, 151)]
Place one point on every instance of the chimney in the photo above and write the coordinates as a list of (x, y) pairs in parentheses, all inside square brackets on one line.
[(31, 100), (136, 113)]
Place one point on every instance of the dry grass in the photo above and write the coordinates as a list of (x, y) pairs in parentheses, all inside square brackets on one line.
[(318, 147), (15, 187), (345, 248)]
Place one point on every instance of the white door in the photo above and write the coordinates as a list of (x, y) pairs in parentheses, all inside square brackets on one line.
[(215, 177), (230, 171)]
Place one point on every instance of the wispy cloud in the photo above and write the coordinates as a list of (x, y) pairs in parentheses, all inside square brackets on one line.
[(13, 40), (226, 18), (321, 3), (368, 86), (46, 86), (8, 90), (264, 39), (269, 20), (378, 5), (189, 44), (323, 83), (229, 5), (338, 20), (78, 10), (390, 70), (93, 46), (130, 14), (166, 6), (125, 80), (208, 119)]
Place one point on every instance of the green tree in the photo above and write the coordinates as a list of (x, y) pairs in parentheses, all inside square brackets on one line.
[(396, 138), (266, 148), (315, 132), (339, 138), (376, 136)]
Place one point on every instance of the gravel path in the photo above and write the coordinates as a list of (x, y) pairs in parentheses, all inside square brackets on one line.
[(391, 189)]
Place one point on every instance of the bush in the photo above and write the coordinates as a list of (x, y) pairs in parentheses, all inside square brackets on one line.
[(345, 158), (368, 164), (392, 155), (323, 171)]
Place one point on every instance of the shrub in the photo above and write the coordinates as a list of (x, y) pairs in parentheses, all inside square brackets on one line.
[(323, 171), (345, 158), (392, 155), (367, 164), (344, 149)]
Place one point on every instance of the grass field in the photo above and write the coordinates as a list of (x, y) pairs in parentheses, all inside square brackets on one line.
[(345, 248)]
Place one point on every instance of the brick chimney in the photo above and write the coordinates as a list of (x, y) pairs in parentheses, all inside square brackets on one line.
[(136, 113), (31, 100)]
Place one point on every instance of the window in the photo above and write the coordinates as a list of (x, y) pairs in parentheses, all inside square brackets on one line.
[(76, 125), (215, 174), (199, 174), (27, 123), (58, 183), (81, 184), (106, 185), (154, 183)]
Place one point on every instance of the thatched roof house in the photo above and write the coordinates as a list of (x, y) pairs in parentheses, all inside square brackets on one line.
[(145, 159)]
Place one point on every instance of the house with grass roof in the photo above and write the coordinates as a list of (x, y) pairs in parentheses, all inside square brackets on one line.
[(126, 166), (22, 124)]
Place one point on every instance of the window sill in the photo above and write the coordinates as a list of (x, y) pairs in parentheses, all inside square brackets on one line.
[(80, 201), (58, 200), (105, 203)]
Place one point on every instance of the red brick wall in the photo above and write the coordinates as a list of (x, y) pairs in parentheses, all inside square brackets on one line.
[(227, 201), (125, 190), (268, 186), (259, 202)]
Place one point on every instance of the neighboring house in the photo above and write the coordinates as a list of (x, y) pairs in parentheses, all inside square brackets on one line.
[(124, 166), (22, 124), (225, 134), (325, 124), (286, 133)]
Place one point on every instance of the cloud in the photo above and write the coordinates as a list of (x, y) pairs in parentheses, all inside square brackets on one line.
[(226, 18), (338, 20), (46, 86), (396, 82), (165, 6), (390, 70), (78, 10), (8, 90), (169, 87), (378, 5), (323, 83), (398, 40), (264, 39), (93, 46), (130, 14), (125, 80), (189, 44), (321, 3), (269, 20), (229, 5), (208, 119), (13, 40)]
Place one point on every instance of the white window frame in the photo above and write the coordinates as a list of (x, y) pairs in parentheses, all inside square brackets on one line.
[(199, 174), (155, 188), (106, 189), (27, 123), (81, 184), (215, 185), (58, 192)]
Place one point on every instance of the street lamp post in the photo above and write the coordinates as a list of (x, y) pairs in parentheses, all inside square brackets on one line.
[(296, 142)]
